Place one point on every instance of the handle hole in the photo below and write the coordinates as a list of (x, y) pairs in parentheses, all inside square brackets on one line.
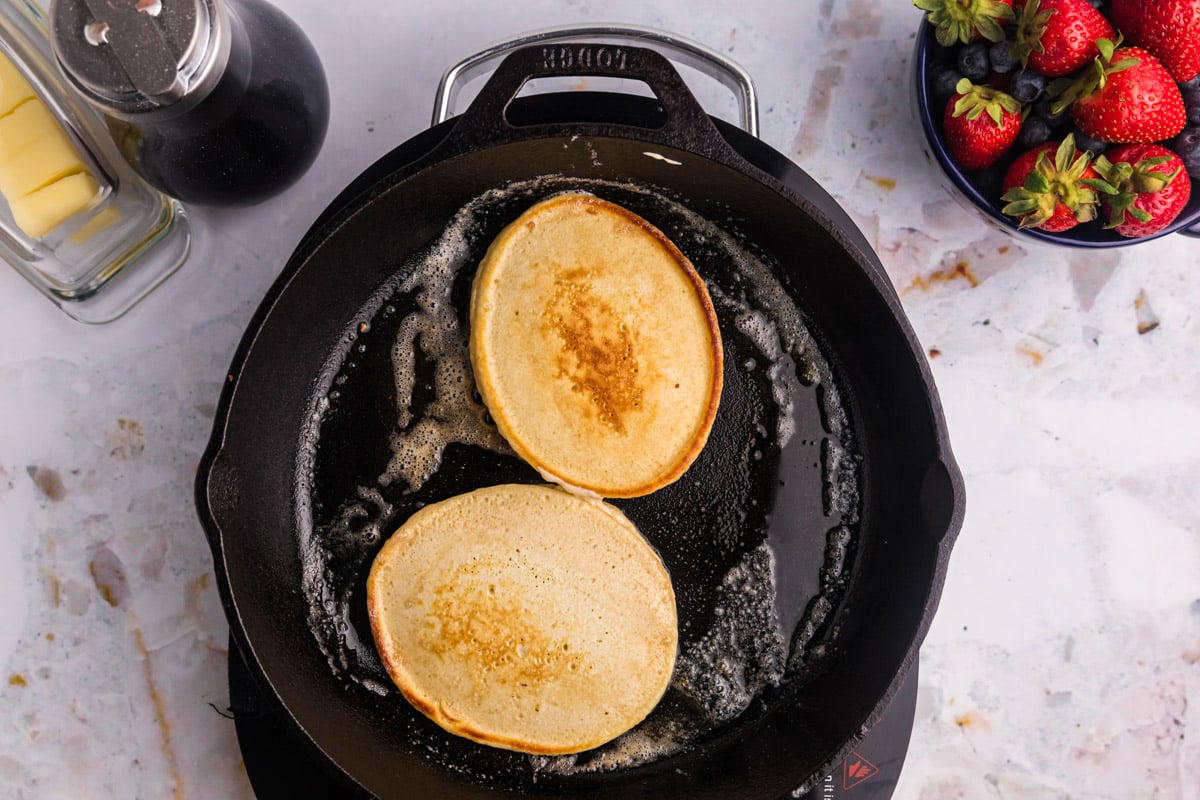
[(470, 87), (622, 101), (585, 83)]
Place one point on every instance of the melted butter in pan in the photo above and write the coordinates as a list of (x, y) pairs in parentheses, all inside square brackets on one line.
[(739, 645)]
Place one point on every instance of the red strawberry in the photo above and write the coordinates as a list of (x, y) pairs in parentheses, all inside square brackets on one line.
[(1046, 187), (1128, 97), (967, 20), (1170, 29), (1057, 37), (980, 124), (1145, 188)]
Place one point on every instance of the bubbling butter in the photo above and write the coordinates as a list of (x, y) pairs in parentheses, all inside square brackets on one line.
[(735, 645)]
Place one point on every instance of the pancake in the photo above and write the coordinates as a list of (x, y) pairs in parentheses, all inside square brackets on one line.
[(525, 617), (595, 347)]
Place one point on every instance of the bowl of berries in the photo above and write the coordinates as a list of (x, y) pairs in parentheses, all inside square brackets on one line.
[(1073, 121)]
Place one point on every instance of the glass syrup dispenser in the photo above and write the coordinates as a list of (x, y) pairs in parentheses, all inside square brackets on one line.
[(216, 102)]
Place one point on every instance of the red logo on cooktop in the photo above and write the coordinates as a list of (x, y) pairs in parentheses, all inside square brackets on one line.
[(857, 769)]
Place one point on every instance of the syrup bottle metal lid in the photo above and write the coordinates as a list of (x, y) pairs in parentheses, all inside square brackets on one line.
[(141, 59)]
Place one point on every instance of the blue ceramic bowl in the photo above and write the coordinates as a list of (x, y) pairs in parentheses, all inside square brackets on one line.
[(1091, 234)]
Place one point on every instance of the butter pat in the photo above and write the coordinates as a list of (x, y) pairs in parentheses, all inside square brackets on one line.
[(14, 89), (41, 212), (42, 174), (35, 150)]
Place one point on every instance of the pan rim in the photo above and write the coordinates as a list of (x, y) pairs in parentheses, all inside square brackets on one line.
[(327, 227)]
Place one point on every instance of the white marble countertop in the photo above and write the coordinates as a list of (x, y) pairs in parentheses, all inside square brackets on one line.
[(1065, 659)]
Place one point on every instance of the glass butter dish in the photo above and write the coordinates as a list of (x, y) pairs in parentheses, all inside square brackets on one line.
[(75, 219)]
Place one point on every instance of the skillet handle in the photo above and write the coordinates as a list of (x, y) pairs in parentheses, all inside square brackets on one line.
[(218, 495), (711, 62), (942, 499), (688, 127)]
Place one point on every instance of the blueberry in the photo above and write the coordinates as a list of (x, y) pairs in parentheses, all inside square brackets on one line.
[(942, 80), (973, 61), (1096, 4), (1085, 142), (1000, 57), (1026, 85), (1187, 146), (1191, 101), (1042, 110), (1034, 131), (1192, 84)]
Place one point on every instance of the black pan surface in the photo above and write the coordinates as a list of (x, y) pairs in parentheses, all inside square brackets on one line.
[(807, 544)]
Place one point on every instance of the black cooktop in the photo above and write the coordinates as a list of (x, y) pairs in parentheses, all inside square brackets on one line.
[(280, 765)]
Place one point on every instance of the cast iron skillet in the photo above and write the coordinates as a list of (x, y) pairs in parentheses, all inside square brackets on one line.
[(859, 613)]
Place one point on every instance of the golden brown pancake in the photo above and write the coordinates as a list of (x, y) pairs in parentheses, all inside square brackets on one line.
[(595, 347), (525, 617)]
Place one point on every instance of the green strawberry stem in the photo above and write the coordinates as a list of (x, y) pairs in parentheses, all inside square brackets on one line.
[(1031, 24), (1054, 182), (1089, 80), (959, 20), (977, 100), (1124, 182)]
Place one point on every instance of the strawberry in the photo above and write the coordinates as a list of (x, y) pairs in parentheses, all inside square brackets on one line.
[(1170, 29), (967, 20), (1057, 37), (1145, 188), (980, 124), (1126, 97), (1047, 188)]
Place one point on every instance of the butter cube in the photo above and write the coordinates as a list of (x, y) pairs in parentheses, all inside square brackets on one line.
[(14, 89), (42, 175), (21, 129), (35, 150), (41, 212)]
